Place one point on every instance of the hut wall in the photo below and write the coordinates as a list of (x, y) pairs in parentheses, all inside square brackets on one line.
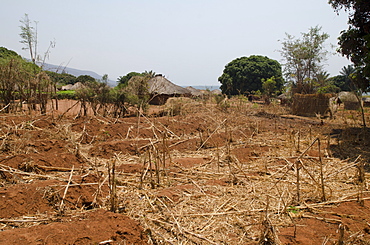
[(351, 105), (159, 99), (311, 104), (366, 103)]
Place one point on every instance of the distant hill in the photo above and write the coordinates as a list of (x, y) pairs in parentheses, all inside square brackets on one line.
[(75, 72)]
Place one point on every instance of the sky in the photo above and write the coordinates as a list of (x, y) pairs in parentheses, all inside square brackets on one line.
[(189, 42)]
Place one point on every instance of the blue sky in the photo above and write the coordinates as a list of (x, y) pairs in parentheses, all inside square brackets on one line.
[(190, 42)]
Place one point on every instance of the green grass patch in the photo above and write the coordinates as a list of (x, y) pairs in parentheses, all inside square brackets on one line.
[(66, 94)]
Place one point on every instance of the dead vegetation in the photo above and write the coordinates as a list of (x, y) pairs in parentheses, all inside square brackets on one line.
[(192, 172)]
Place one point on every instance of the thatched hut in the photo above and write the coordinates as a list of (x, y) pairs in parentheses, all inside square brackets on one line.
[(194, 92), (75, 86), (349, 100), (216, 92), (161, 89), (311, 104), (284, 99)]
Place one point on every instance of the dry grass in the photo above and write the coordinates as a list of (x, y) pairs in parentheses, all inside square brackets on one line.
[(226, 200), (234, 213)]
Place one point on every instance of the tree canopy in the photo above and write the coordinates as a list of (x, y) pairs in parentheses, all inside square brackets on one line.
[(245, 74), (355, 41), (6, 53), (62, 78), (304, 59), (22, 81), (122, 80), (85, 79)]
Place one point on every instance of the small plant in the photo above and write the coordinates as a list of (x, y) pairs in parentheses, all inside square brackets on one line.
[(255, 106), (222, 103), (175, 106), (293, 209), (218, 98)]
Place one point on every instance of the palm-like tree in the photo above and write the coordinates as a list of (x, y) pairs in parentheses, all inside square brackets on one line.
[(150, 73), (325, 84), (347, 72), (322, 78)]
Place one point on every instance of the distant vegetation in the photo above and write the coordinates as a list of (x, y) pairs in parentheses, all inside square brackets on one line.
[(245, 75), (354, 43), (24, 83), (303, 71)]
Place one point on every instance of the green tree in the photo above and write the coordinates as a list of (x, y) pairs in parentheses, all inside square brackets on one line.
[(61, 78), (118, 99), (245, 74), (85, 79), (6, 53), (304, 59), (150, 73), (343, 80), (269, 86), (123, 80), (327, 86), (323, 83), (348, 73), (104, 79), (355, 41), (322, 79), (23, 81), (339, 81)]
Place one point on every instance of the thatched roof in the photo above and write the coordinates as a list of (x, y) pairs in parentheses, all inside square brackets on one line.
[(67, 87), (284, 96), (216, 91), (347, 97), (76, 86), (194, 91), (160, 85)]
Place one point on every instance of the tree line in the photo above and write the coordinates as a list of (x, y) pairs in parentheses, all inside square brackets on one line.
[(304, 58), (302, 71), (24, 84)]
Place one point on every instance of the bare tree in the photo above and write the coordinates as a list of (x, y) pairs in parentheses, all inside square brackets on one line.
[(29, 37)]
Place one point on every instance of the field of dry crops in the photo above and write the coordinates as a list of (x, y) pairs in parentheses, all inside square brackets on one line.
[(188, 172)]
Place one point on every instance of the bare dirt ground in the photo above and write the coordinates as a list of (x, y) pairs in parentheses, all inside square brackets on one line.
[(188, 172)]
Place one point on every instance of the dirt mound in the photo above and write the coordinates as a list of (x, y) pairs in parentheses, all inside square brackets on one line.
[(98, 227), (42, 162), (26, 199), (319, 225), (208, 175), (45, 196), (108, 149)]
